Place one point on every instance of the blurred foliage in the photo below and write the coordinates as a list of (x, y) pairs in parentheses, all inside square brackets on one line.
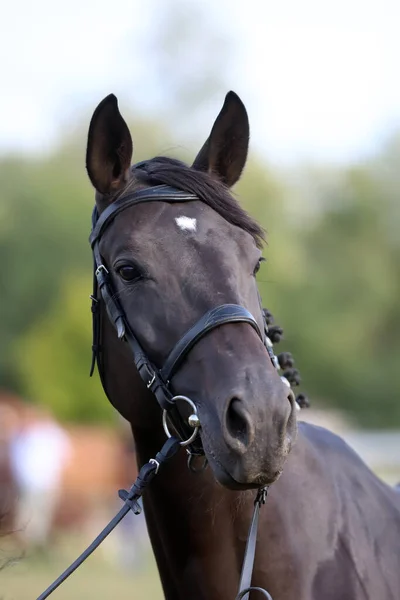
[(39, 209), (45, 220), (54, 357), (343, 318), (332, 280)]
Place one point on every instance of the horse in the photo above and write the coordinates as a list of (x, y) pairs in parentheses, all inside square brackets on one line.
[(180, 318)]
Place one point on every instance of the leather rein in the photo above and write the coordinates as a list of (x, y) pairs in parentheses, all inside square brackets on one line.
[(157, 380)]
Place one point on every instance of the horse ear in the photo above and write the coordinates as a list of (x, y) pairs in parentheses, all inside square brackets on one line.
[(224, 154), (109, 147)]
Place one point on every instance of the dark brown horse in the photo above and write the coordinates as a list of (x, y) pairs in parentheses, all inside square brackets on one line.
[(330, 529)]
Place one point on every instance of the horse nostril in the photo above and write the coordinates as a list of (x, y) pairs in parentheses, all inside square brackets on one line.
[(238, 422)]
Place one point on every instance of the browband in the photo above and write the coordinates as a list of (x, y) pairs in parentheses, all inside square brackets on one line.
[(159, 192)]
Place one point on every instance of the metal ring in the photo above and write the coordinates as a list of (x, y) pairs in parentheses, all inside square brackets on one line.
[(191, 459), (243, 593), (165, 425)]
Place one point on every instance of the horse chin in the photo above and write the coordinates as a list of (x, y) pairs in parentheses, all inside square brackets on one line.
[(227, 480)]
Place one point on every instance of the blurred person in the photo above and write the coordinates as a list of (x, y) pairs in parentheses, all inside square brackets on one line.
[(38, 453)]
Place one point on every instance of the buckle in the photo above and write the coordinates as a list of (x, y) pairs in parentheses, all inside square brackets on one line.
[(99, 269), (151, 381), (146, 372), (261, 497), (131, 502)]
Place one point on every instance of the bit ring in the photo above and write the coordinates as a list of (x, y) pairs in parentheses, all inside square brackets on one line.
[(165, 424)]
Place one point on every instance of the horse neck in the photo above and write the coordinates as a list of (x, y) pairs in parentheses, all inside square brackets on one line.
[(197, 528)]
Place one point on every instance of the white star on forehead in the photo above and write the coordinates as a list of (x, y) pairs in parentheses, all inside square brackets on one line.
[(186, 223)]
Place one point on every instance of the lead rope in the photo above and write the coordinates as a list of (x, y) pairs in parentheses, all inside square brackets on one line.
[(245, 586), (130, 498)]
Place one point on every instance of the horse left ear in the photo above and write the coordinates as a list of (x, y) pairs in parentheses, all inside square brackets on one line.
[(224, 153), (109, 148)]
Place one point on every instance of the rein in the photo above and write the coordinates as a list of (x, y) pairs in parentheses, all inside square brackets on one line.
[(131, 498), (146, 474), (158, 380)]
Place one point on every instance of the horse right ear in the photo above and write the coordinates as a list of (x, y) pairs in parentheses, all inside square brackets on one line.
[(224, 153), (109, 148)]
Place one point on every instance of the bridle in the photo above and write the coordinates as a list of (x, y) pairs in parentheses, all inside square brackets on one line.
[(157, 380)]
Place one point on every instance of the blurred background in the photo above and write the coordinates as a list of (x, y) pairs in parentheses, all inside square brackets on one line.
[(321, 85)]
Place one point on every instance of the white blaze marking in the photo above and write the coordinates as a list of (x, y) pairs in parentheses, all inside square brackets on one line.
[(186, 223)]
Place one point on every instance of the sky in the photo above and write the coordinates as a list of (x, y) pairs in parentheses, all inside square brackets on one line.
[(320, 79)]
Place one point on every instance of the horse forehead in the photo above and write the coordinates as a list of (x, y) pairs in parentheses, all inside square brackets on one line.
[(181, 220), (159, 223)]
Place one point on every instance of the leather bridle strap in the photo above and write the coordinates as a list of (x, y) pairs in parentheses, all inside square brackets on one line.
[(156, 380), (147, 371), (225, 313), (245, 586), (158, 192)]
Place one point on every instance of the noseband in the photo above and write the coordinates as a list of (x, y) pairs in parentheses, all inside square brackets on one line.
[(157, 380)]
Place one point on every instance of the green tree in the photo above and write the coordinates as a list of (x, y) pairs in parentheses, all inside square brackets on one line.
[(54, 357), (343, 318)]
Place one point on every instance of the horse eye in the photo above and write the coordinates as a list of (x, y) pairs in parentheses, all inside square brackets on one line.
[(258, 265), (129, 272)]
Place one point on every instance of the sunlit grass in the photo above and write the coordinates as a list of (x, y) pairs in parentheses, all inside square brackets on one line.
[(99, 577)]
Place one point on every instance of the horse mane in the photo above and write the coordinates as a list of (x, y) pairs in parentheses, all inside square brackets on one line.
[(169, 171)]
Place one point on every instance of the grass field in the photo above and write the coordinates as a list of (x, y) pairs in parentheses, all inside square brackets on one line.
[(98, 578)]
